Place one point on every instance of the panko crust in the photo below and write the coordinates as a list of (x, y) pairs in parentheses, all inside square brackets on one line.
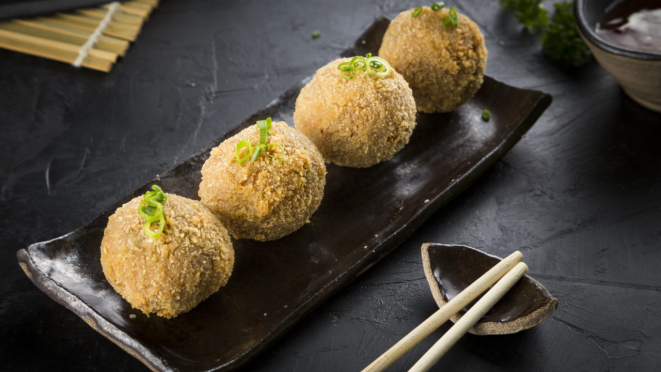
[(169, 275), (359, 122), (443, 65), (264, 200)]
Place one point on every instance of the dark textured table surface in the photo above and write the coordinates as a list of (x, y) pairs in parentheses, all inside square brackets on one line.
[(580, 196)]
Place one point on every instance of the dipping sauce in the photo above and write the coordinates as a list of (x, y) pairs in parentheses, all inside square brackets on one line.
[(633, 25)]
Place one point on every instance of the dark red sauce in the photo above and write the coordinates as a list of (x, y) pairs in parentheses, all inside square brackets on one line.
[(633, 25)]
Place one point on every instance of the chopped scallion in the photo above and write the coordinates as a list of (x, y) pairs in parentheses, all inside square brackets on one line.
[(151, 210), (373, 65), (451, 18), (437, 6), (254, 152)]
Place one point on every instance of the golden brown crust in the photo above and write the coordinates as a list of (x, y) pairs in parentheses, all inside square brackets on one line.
[(264, 200), (169, 275), (443, 65), (358, 122)]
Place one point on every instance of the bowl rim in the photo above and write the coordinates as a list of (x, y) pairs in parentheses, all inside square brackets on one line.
[(589, 34)]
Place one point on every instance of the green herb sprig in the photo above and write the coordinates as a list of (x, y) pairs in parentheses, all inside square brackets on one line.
[(561, 39), (531, 13), (559, 36), (373, 65), (151, 210), (253, 152)]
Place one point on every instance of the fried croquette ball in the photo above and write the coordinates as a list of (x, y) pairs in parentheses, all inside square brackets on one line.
[(443, 65), (264, 200), (169, 275), (359, 122)]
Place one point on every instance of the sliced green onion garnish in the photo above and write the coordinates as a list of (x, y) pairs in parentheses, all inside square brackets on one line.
[(437, 6), (379, 64), (264, 127), (240, 146), (358, 63), (281, 150), (486, 115), (316, 34), (254, 152), (346, 67), (151, 210), (416, 11), (258, 150), (155, 234), (451, 18), (373, 65)]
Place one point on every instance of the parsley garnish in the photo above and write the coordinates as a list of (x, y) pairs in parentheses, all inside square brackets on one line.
[(559, 37), (531, 13)]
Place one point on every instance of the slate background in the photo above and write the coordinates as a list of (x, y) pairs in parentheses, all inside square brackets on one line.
[(580, 195)]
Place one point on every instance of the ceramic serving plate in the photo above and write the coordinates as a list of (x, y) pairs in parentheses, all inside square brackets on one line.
[(452, 268), (639, 73), (364, 215)]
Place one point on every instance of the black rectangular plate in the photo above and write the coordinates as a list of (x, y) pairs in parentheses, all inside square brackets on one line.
[(365, 214)]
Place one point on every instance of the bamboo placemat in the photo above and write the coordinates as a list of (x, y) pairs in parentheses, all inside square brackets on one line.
[(92, 37)]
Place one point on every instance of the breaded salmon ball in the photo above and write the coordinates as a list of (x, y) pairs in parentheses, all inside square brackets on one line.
[(359, 122), (264, 199), (168, 275), (443, 65)]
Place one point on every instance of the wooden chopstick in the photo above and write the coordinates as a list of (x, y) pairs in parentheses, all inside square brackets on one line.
[(46, 37), (469, 319), (134, 7), (93, 22), (111, 30), (97, 59), (65, 47), (107, 43), (118, 17), (444, 313)]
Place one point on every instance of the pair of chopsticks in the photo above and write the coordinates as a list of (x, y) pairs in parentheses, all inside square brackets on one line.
[(506, 273)]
